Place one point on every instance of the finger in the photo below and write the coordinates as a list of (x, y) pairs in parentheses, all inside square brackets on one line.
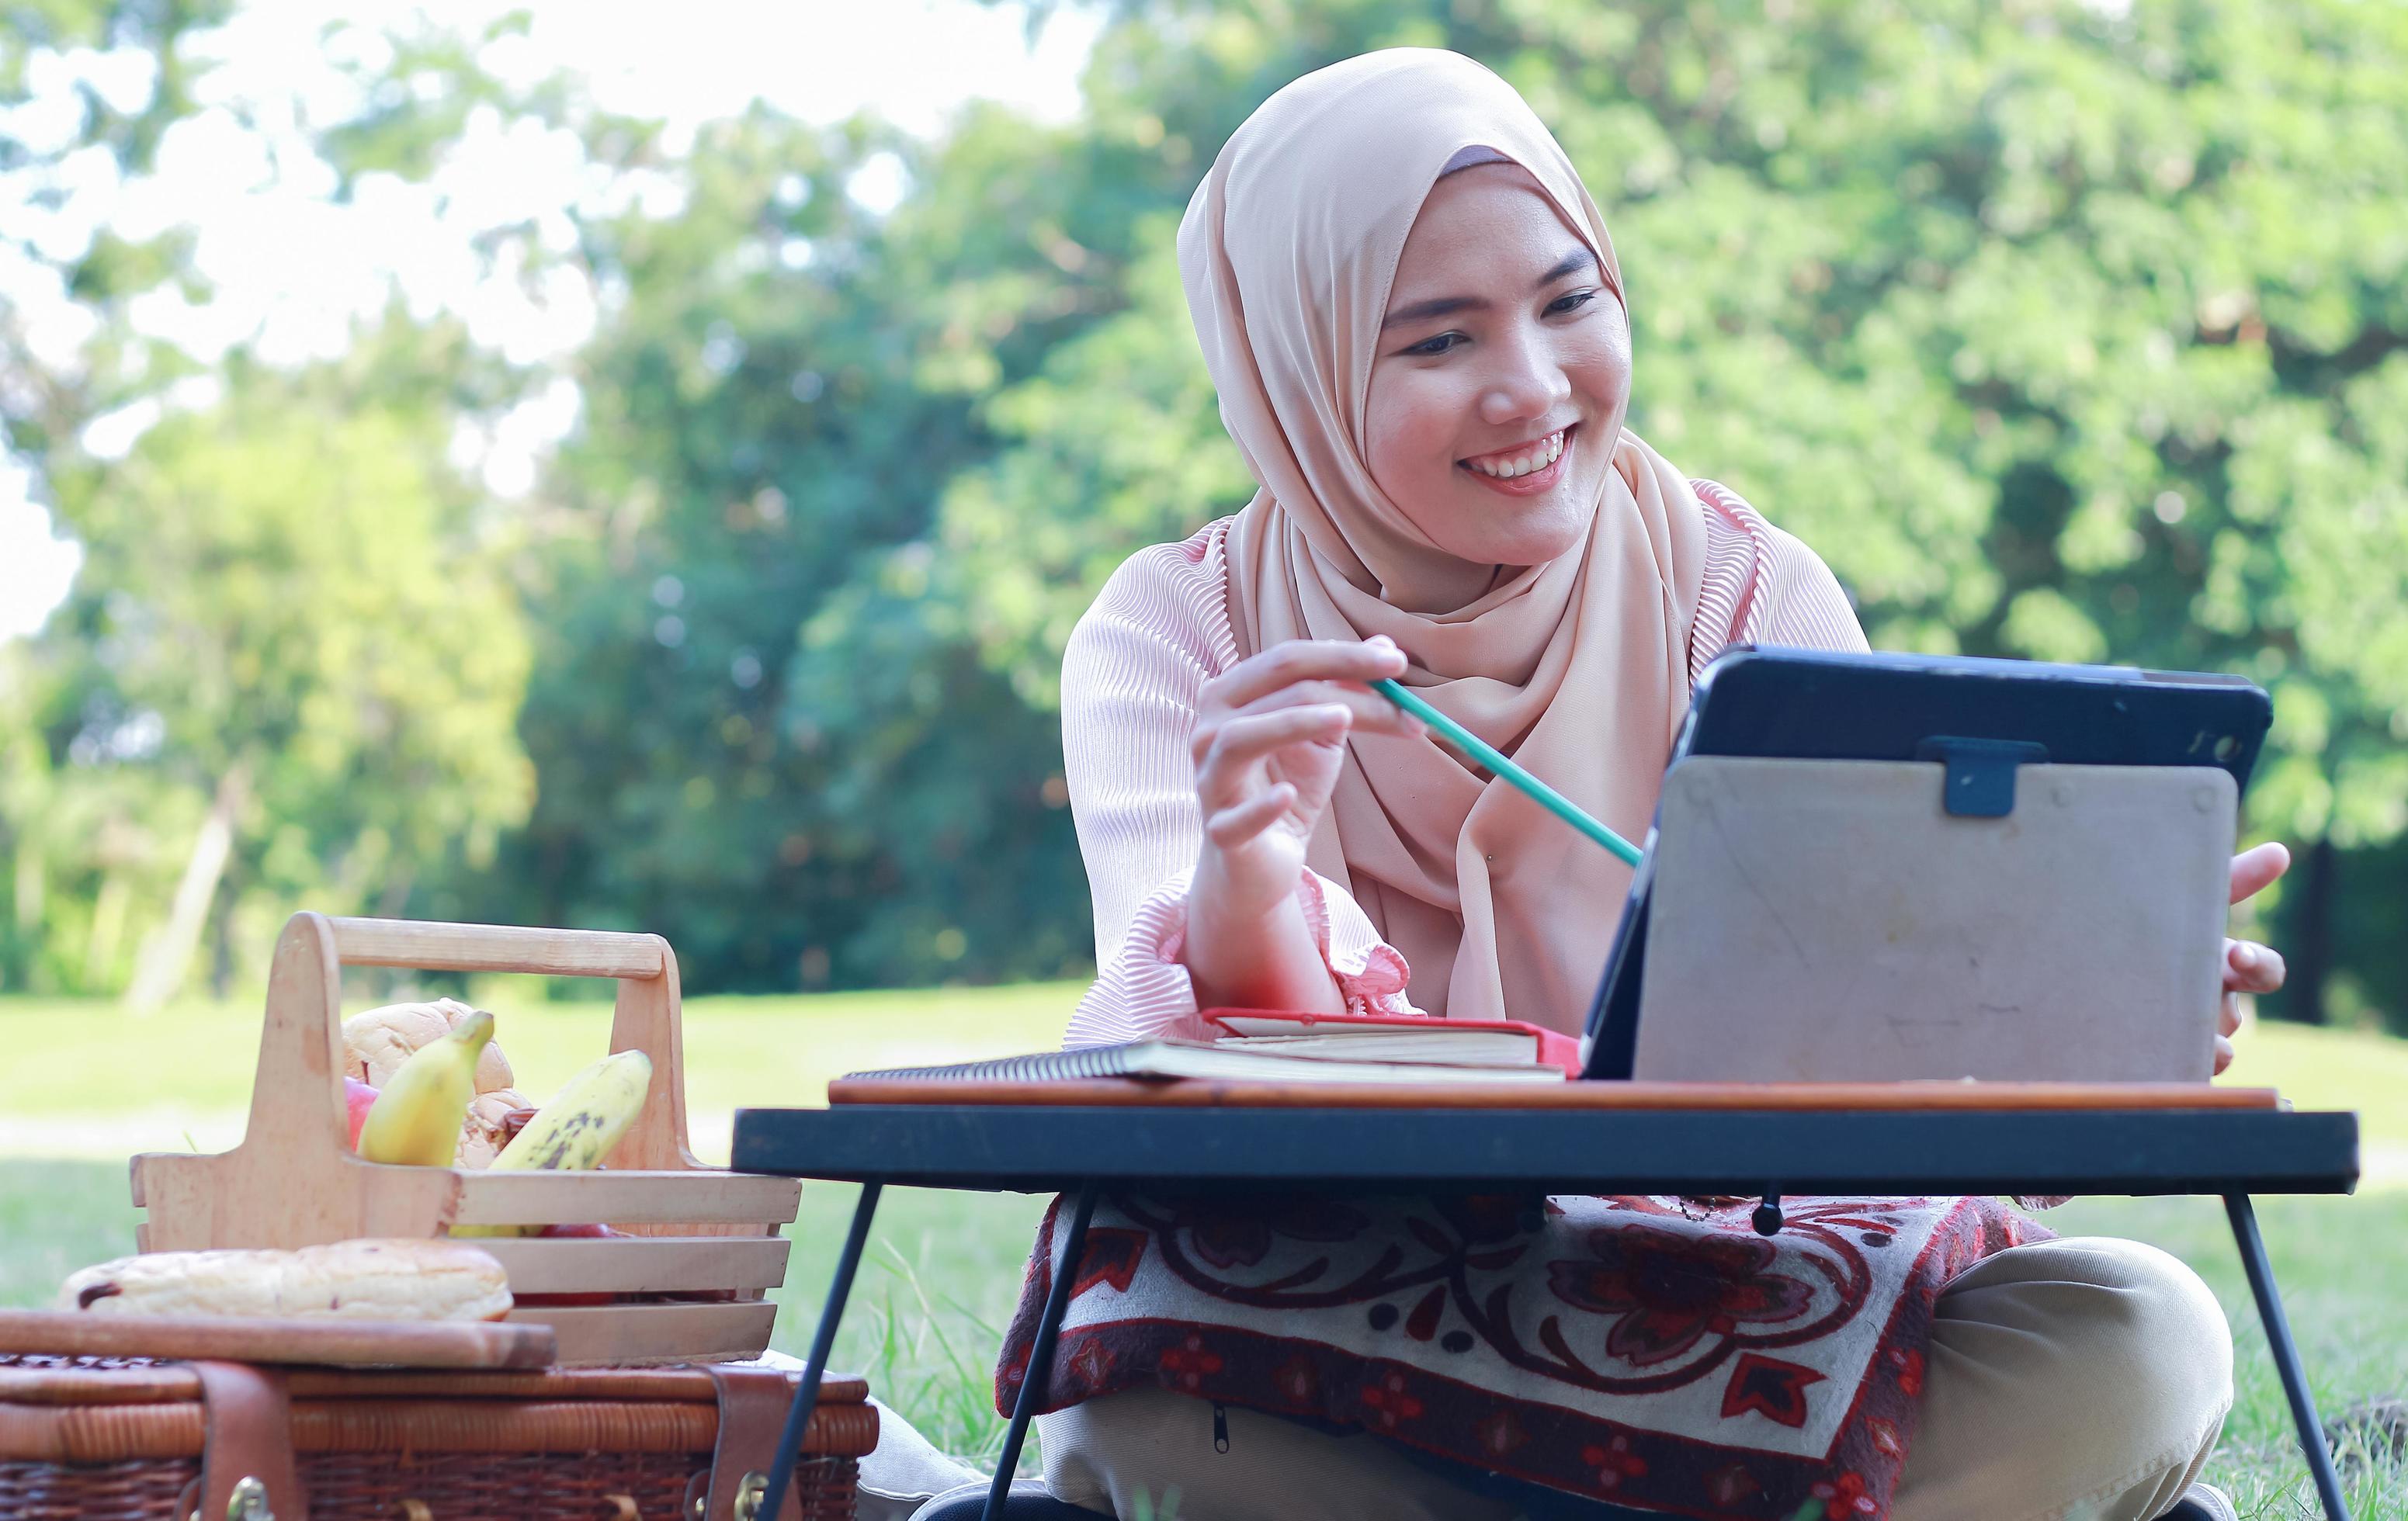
[(2252, 968), (2254, 869), (1373, 714), (2227, 1014), (1233, 827), (1306, 722), (2223, 1055), (1305, 659), (1242, 740)]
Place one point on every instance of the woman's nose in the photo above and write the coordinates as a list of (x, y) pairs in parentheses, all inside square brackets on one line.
[(1527, 382)]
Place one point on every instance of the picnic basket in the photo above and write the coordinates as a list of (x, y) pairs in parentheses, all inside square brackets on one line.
[(689, 1285), (154, 1441)]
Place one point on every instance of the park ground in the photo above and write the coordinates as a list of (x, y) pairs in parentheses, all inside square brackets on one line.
[(84, 1084)]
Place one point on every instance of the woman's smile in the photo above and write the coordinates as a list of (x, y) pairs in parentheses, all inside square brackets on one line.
[(1527, 469)]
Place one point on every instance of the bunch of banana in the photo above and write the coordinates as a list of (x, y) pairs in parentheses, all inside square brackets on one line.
[(578, 1129), (416, 1116)]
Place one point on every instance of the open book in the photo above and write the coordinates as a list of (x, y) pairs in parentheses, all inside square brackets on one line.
[(1267, 1046)]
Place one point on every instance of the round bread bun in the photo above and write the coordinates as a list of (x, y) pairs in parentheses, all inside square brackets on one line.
[(377, 1042)]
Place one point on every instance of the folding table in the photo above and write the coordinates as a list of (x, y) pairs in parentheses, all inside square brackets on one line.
[(1750, 1140)]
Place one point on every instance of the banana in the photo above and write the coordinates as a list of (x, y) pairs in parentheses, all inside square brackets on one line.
[(416, 1116), (576, 1129), (584, 1119)]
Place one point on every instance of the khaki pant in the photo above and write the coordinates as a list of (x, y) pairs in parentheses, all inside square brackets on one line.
[(2080, 1379)]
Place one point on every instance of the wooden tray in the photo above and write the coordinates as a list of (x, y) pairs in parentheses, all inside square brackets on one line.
[(331, 1343), (1198, 1093), (706, 1233)]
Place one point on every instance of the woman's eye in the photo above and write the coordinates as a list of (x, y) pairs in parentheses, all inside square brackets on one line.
[(1429, 347), (1572, 302)]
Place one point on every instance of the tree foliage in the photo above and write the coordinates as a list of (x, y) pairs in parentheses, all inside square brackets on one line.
[(2064, 331)]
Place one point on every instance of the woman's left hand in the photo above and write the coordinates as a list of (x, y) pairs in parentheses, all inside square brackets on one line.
[(2248, 967)]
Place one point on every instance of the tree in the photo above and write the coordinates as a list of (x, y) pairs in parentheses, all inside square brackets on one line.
[(288, 610), (2014, 313)]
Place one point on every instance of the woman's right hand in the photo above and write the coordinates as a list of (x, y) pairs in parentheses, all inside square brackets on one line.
[(1270, 733)]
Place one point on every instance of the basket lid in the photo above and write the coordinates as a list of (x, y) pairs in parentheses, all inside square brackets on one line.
[(39, 1379)]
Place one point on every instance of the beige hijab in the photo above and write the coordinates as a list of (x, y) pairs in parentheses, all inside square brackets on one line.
[(1577, 668)]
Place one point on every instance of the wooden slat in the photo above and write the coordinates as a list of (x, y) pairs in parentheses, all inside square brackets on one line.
[(641, 1265), (496, 947), (1197, 1093), (618, 1334), (342, 1344), (627, 1198)]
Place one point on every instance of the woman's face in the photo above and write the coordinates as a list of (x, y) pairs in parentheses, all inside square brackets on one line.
[(1501, 375)]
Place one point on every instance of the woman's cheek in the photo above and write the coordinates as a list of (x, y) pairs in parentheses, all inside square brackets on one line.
[(1415, 417)]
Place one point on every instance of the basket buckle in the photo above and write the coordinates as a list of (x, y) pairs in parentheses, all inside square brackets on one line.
[(249, 1501), (751, 1491)]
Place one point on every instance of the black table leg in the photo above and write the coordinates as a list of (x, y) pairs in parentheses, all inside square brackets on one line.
[(1040, 1351), (807, 1393), (2286, 1355)]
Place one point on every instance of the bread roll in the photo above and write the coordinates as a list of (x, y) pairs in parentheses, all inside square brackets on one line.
[(377, 1043), (351, 1280), (483, 1132)]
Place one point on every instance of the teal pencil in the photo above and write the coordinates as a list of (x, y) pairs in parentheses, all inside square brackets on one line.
[(1470, 744)]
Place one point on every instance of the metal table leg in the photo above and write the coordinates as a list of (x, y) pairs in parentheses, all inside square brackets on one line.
[(2286, 1354), (1040, 1351), (807, 1394)]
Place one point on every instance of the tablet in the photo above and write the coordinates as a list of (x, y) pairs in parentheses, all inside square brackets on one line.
[(1974, 713)]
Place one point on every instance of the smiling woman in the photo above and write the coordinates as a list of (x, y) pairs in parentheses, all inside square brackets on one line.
[(1419, 334)]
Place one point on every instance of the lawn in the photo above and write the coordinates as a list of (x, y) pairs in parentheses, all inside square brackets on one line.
[(944, 1268)]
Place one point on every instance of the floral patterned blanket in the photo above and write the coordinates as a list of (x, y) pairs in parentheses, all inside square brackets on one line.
[(1650, 1352)]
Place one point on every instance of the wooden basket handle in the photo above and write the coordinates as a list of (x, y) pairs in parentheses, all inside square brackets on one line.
[(292, 1182), (646, 1019)]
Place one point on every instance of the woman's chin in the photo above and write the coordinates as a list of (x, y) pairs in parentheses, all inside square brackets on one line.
[(1529, 531)]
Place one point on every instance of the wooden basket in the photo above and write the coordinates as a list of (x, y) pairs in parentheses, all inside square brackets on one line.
[(708, 1248), (126, 1438)]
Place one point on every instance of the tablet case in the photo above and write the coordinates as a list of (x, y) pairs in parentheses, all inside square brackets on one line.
[(1980, 720), (1830, 921)]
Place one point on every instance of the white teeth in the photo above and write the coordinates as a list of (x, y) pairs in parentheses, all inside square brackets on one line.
[(1549, 449)]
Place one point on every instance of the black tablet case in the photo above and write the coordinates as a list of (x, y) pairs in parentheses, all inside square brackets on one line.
[(1815, 705)]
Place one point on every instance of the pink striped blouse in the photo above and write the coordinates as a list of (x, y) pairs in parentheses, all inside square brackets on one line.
[(1130, 680)]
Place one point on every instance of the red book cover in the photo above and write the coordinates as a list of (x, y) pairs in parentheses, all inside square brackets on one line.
[(1556, 1049)]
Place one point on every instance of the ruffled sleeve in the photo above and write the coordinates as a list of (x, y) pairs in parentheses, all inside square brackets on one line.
[(1132, 675), (1763, 587)]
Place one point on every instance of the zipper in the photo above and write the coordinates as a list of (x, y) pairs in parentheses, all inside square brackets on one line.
[(1220, 1427)]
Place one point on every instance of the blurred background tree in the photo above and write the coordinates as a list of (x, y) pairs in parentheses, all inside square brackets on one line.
[(2071, 332)]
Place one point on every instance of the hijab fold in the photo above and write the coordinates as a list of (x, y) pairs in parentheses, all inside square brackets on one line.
[(1577, 668)]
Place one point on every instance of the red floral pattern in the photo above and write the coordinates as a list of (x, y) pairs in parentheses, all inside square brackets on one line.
[(1559, 1342), (1666, 1291)]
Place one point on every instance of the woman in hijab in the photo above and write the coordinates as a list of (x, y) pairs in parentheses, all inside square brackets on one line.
[(1419, 335)]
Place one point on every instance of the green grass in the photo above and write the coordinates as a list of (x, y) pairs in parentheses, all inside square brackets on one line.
[(944, 1268), (84, 1078)]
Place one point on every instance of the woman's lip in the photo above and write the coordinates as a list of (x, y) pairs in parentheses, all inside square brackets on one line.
[(1515, 450), (1536, 481)]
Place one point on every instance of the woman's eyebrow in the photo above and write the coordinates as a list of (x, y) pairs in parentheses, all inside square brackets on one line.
[(1572, 262), (1421, 311)]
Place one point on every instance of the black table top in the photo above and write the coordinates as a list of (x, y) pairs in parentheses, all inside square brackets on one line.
[(1050, 1149)]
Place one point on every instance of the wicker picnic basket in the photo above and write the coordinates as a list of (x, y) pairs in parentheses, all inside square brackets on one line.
[(154, 1441), (691, 1288)]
